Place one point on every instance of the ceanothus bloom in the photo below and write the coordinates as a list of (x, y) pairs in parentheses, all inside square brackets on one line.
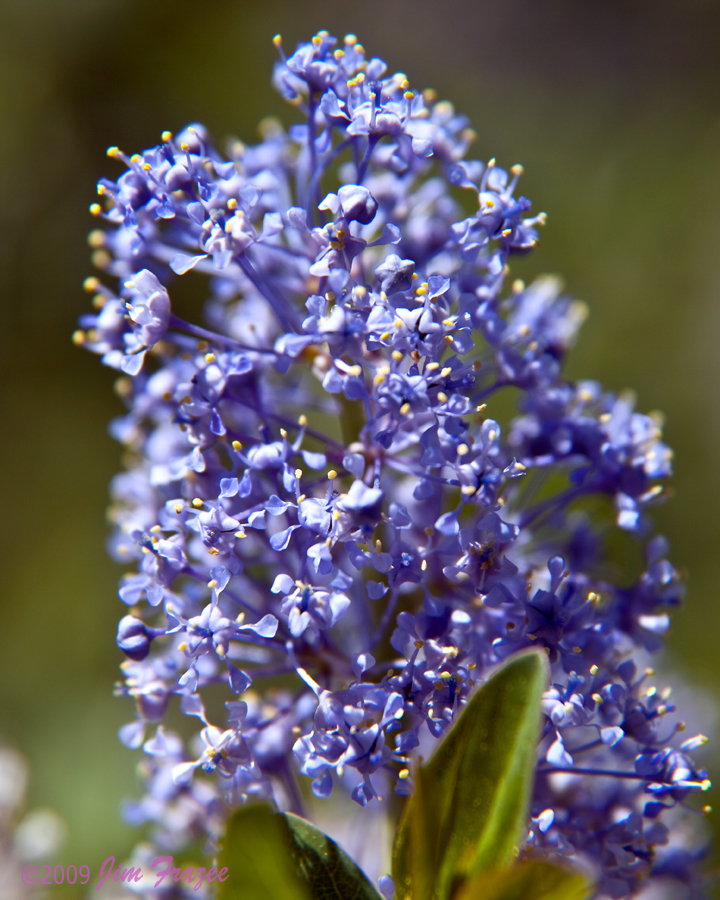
[(325, 517)]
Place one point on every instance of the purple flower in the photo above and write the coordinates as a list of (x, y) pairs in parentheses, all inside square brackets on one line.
[(316, 498)]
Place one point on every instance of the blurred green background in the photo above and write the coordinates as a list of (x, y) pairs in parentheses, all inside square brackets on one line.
[(614, 109)]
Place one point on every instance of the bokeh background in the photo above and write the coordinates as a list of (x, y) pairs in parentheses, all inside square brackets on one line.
[(614, 109)]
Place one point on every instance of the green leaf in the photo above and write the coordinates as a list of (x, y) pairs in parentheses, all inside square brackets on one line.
[(270, 856), (470, 805), (529, 880), (256, 852), (328, 870)]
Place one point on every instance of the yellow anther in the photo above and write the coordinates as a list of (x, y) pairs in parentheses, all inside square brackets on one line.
[(594, 670), (446, 371), (209, 357), (593, 597), (408, 95), (213, 551), (649, 673), (182, 647), (302, 420), (360, 77), (155, 529), (404, 409), (146, 167), (135, 158), (212, 583), (317, 40), (350, 40), (328, 542), (707, 810), (446, 676), (336, 515), (240, 534), (397, 355), (378, 546), (442, 396), (468, 490), (429, 531), (421, 291), (220, 650), (489, 204), (78, 338), (197, 502), (98, 301), (577, 649), (597, 698), (330, 296), (332, 474), (185, 146), (404, 773), (449, 322), (298, 473), (232, 203), (283, 433), (240, 618), (178, 508), (398, 323), (705, 785), (166, 136), (492, 434), (338, 54), (301, 498), (506, 232), (95, 209), (463, 450), (423, 565), (237, 445), (277, 40), (448, 339), (355, 371), (97, 238), (431, 366), (517, 169), (113, 152), (91, 285)]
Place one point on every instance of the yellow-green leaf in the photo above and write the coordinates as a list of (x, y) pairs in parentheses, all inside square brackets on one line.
[(529, 880), (470, 805), (270, 856)]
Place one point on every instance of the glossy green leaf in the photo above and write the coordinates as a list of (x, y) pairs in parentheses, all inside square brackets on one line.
[(256, 852), (470, 804), (529, 880), (270, 856)]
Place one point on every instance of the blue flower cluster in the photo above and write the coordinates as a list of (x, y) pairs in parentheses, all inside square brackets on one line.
[(319, 503)]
